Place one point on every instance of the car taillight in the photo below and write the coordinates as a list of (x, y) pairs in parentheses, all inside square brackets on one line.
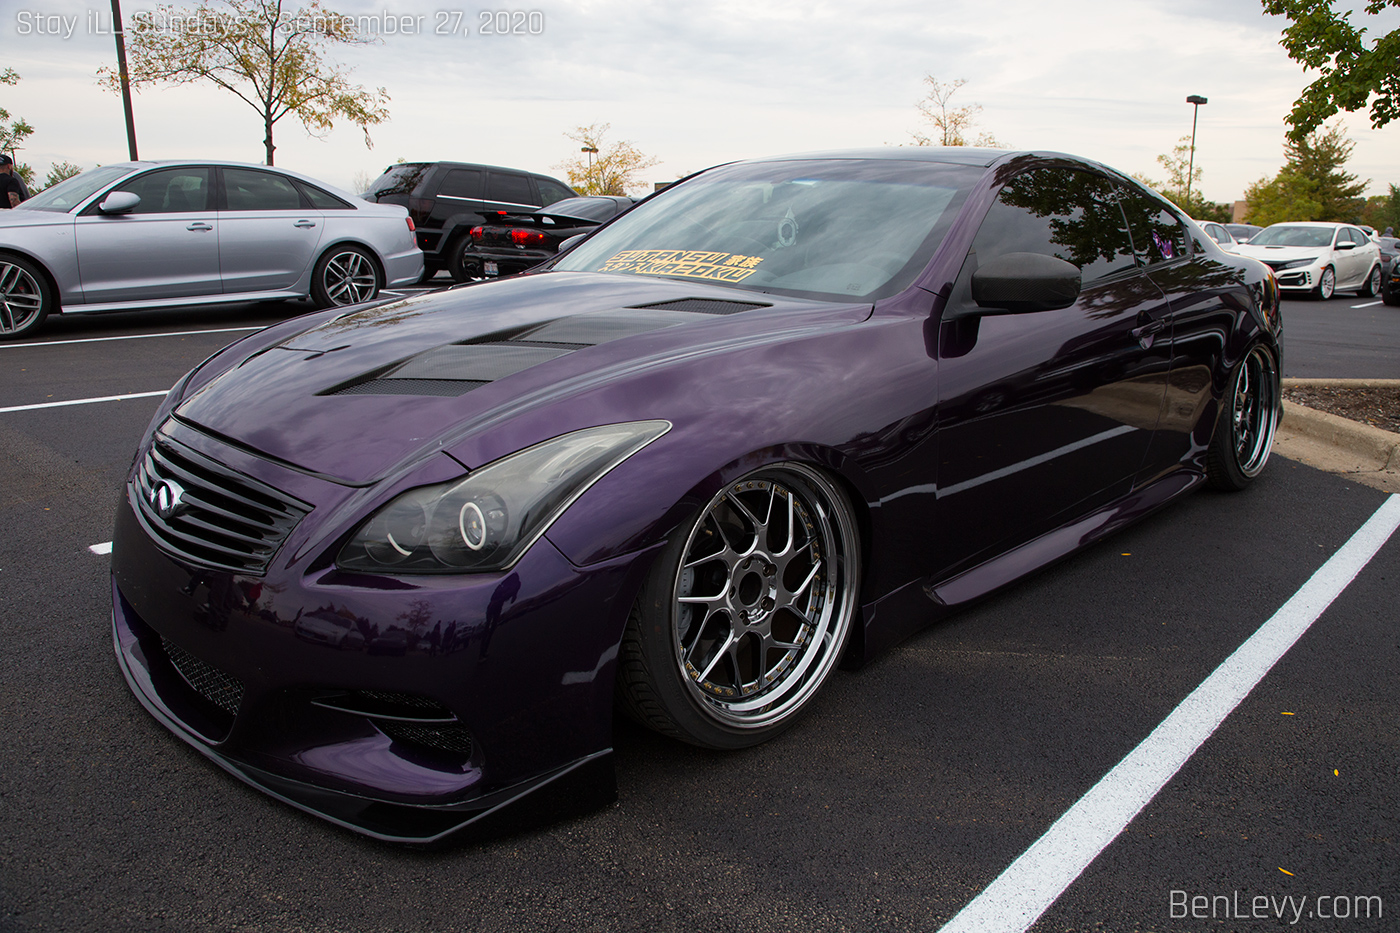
[(528, 238), (476, 233), (411, 228)]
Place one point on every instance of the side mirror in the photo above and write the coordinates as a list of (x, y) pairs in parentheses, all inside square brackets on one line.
[(1023, 283), (119, 202), (1347, 245), (571, 242)]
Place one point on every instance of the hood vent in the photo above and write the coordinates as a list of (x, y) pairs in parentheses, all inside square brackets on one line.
[(706, 306), (455, 369)]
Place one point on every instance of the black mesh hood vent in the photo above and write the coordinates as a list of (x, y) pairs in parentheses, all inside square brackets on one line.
[(457, 368), (706, 306)]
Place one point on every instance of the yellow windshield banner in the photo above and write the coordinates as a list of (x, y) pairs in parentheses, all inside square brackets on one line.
[(694, 264)]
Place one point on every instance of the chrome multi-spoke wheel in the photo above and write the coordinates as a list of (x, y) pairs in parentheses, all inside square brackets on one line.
[(1373, 283), (1326, 284), (1245, 433), (747, 612), (345, 276), (24, 297)]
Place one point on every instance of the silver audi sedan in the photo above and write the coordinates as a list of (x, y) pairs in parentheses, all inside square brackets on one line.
[(159, 234)]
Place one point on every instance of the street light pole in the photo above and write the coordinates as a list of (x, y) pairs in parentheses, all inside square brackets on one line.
[(1195, 100), (592, 151), (122, 78)]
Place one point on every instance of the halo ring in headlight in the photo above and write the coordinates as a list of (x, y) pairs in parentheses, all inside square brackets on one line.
[(472, 519)]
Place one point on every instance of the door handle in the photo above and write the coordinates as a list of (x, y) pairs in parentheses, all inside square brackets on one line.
[(1147, 333), (305, 224), (199, 225)]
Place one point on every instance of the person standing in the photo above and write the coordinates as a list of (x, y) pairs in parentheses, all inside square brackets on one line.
[(12, 189)]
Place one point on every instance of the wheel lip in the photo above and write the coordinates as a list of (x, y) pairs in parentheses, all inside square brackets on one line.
[(1265, 413), (330, 287), (1375, 281), (841, 614), (22, 274)]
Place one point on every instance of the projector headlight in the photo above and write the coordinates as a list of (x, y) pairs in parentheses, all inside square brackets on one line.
[(487, 520)]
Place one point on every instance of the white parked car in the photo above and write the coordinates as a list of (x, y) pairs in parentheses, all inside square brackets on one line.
[(1217, 232), (1318, 258), (158, 234)]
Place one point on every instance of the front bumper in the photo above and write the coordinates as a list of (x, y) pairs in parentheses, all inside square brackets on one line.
[(265, 675), (1298, 279)]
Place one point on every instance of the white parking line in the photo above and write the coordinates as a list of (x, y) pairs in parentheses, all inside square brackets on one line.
[(104, 548), (1369, 304), (1033, 882), (173, 333), (84, 401)]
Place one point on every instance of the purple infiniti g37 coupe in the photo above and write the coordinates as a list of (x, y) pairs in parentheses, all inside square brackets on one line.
[(399, 564)]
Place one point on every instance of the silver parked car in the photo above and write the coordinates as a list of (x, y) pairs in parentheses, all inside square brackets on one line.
[(160, 234)]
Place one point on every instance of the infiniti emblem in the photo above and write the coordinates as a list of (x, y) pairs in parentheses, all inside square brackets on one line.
[(167, 497)]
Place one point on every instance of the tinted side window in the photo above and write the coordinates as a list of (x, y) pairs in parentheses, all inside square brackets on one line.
[(1158, 234), (1359, 237), (551, 191), (170, 190), (462, 183), (513, 189), (247, 190), (1068, 214), (323, 200)]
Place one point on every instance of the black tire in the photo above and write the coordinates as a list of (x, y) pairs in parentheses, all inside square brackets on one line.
[(1392, 297), (1326, 284), (25, 297), (345, 275), (463, 264), (1249, 415), (1373, 283), (734, 667)]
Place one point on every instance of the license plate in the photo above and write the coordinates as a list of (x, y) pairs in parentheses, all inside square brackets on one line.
[(490, 268)]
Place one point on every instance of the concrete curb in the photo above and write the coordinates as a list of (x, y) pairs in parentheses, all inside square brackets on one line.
[(1361, 440), (1342, 383)]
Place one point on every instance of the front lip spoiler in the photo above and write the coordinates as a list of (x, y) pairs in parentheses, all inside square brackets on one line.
[(579, 786)]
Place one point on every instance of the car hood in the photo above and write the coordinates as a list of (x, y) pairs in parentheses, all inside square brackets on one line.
[(362, 395), (1281, 253), (23, 218)]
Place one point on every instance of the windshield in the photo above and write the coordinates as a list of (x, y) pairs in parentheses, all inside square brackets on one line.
[(397, 179), (1285, 235), (829, 228), (71, 192)]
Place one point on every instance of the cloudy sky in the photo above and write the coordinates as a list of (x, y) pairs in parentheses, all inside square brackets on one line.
[(700, 83)]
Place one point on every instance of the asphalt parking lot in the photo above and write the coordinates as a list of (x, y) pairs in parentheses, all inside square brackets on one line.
[(912, 785)]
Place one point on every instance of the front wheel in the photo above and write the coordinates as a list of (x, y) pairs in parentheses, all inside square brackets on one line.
[(344, 275), (1373, 283), (25, 297), (464, 264), (1326, 284), (746, 611), (1249, 415)]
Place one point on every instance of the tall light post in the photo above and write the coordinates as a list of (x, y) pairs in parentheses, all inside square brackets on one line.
[(1195, 100), (592, 151), (122, 78)]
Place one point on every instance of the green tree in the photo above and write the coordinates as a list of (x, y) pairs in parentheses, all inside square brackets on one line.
[(1178, 165), (1382, 210), (12, 133), (1312, 184), (604, 168), (268, 55), (950, 125), (59, 171), (1352, 70)]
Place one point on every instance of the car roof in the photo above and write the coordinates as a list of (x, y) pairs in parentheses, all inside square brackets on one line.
[(142, 164)]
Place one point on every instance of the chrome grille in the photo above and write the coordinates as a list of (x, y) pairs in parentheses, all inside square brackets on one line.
[(213, 516), (223, 690)]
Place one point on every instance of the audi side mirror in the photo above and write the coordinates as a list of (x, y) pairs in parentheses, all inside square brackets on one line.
[(119, 202), (1023, 283)]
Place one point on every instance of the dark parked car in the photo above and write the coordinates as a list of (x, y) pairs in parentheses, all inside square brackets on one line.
[(1390, 287), (447, 199), (1243, 233), (510, 243), (396, 566)]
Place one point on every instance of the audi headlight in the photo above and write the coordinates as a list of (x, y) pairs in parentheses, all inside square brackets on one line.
[(487, 520)]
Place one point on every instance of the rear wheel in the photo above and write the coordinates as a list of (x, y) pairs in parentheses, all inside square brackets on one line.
[(746, 612), (25, 297), (1326, 284), (1373, 283), (463, 264), (1249, 415), (344, 275)]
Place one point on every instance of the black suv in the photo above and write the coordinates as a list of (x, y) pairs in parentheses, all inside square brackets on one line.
[(447, 199)]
